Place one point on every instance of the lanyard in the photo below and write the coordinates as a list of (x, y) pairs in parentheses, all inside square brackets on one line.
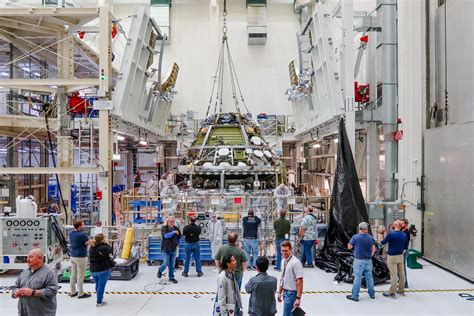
[(284, 271)]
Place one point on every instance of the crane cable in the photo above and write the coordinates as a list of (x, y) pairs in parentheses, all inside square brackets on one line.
[(217, 99)]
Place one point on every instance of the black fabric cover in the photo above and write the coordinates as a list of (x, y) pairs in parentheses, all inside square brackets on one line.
[(347, 211)]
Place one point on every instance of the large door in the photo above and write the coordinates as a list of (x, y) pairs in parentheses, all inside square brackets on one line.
[(449, 215)]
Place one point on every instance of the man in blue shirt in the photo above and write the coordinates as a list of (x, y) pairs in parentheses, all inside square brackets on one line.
[(79, 241), (250, 225), (364, 248), (396, 246)]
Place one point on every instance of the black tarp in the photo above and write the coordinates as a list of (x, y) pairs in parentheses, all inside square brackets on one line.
[(347, 211)]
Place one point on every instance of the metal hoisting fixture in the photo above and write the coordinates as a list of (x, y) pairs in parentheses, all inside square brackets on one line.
[(217, 94)]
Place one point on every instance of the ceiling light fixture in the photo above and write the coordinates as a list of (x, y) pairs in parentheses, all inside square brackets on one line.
[(120, 138), (316, 146), (143, 142)]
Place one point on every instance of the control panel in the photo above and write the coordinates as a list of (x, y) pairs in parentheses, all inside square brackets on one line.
[(20, 235)]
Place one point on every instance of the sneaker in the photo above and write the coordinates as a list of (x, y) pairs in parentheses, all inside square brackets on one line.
[(401, 293), (200, 274), (185, 274), (372, 297), (249, 268), (276, 269), (101, 304), (73, 295), (173, 281), (85, 295), (159, 274), (350, 297), (389, 295)]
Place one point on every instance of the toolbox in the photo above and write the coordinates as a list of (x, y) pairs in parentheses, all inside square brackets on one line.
[(125, 271)]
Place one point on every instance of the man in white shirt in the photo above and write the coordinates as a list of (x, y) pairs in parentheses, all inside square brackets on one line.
[(170, 192), (215, 234), (291, 280), (163, 181), (282, 193), (152, 186)]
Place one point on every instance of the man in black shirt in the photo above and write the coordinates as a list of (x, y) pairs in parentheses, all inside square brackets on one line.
[(171, 235), (406, 230), (191, 234), (250, 225)]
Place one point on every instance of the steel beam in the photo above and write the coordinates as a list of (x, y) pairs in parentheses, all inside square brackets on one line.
[(58, 170), (105, 128), (18, 83), (372, 162), (66, 12), (21, 121), (348, 62), (387, 9)]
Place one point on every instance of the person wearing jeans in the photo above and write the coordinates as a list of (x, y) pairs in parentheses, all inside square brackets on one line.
[(364, 248), (282, 228), (307, 256), (192, 249), (363, 268), (291, 280), (250, 225), (171, 235), (251, 251), (169, 261), (100, 279), (308, 235), (101, 265), (191, 234), (289, 298)]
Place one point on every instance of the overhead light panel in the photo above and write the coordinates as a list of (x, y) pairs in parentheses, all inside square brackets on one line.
[(120, 138), (317, 146), (4, 73), (143, 142), (26, 69), (36, 74)]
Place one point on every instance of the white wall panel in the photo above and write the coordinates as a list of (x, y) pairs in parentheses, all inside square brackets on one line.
[(449, 217), (460, 65), (262, 69), (411, 102)]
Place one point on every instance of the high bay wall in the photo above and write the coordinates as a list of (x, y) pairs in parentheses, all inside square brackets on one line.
[(449, 142), (434, 61)]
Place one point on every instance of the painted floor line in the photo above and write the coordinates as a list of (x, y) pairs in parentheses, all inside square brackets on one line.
[(213, 293)]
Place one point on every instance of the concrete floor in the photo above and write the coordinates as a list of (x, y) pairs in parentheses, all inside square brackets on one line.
[(415, 303)]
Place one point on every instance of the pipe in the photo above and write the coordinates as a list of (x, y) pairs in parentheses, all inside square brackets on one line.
[(387, 9)]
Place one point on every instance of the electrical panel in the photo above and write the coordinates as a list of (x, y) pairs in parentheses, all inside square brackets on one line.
[(20, 235)]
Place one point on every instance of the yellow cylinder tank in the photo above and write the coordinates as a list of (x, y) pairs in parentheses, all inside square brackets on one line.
[(127, 243)]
